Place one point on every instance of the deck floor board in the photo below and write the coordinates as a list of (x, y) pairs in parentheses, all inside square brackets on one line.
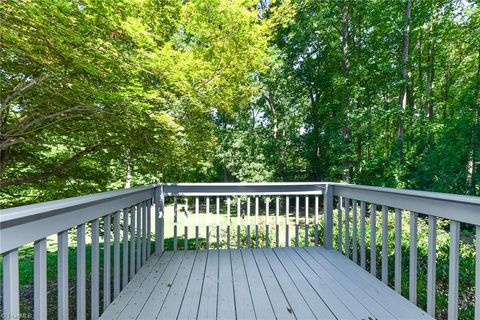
[(208, 299), (282, 283), (226, 300), (398, 305)]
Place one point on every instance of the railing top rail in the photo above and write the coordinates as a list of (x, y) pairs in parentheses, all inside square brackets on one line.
[(21, 225), (24, 224), (449, 206), (65, 205), (415, 193), (238, 189)]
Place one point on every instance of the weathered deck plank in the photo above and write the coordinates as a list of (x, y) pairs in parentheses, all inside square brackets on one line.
[(189, 308), (280, 304), (395, 303), (315, 303), (360, 304), (261, 302), (282, 283), (174, 299), (294, 297), (156, 298), (208, 298), (243, 299), (226, 300), (320, 286), (129, 292)]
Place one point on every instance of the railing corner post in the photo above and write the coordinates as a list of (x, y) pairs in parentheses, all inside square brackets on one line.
[(159, 223), (328, 223)]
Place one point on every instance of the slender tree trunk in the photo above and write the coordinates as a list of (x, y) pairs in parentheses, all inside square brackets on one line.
[(278, 149), (346, 95), (404, 77), (420, 67), (430, 72), (316, 135), (475, 140), (128, 176)]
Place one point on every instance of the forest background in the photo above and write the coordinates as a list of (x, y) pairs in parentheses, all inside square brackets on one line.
[(100, 95)]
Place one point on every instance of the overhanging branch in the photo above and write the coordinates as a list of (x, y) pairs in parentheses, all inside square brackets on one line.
[(51, 173)]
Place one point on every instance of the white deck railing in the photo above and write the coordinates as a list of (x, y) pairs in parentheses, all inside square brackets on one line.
[(306, 208)]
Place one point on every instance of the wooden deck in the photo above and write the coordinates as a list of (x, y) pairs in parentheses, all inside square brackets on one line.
[(284, 283)]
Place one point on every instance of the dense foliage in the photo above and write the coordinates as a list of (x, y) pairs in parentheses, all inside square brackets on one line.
[(332, 105), (100, 95)]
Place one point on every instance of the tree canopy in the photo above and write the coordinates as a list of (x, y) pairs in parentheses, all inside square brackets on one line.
[(96, 95)]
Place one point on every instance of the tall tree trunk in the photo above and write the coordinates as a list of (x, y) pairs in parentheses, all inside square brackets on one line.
[(128, 176), (420, 68), (316, 134), (475, 140), (430, 71), (346, 95), (278, 149), (404, 77)]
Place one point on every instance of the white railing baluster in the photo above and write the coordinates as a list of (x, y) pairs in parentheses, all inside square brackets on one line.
[(398, 250), (40, 279), (256, 222), (277, 221), (175, 222), (239, 212), (248, 222), (162, 221), (139, 238), (197, 221), (229, 203), (11, 293), (125, 248), (185, 231), (373, 239), (156, 210), (144, 232), (413, 259), (477, 273), (106, 260), (316, 221), (267, 222), (218, 223), (346, 207), (159, 220), (432, 264), (207, 221), (297, 218), (287, 225), (453, 270), (81, 273), (362, 235), (116, 254), (385, 244), (340, 225), (62, 274), (133, 210), (354, 232), (95, 276), (306, 222), (149, 228)]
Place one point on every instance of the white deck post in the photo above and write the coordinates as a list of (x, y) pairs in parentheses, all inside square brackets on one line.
[(328, 207), (159, 220)]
